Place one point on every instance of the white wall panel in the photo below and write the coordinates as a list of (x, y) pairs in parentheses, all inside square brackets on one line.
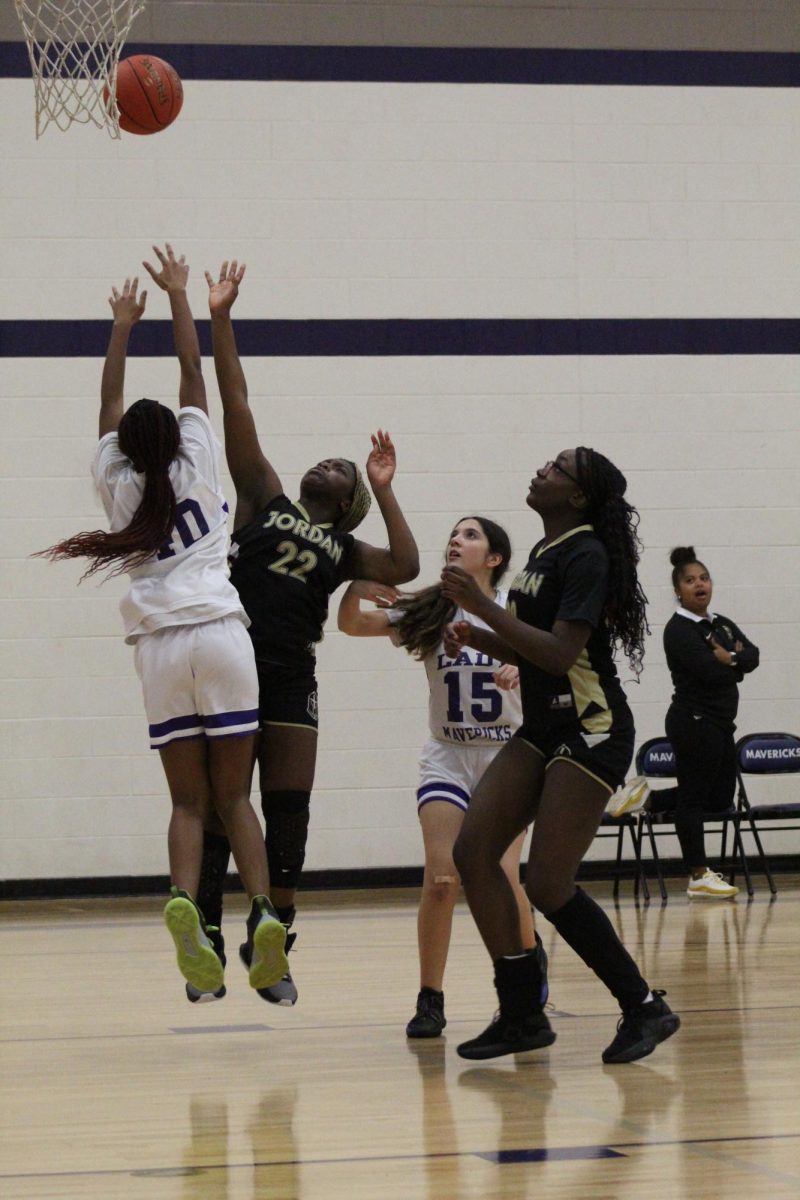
[(396, 201)]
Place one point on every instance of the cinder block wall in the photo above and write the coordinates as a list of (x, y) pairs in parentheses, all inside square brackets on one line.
[(398, 200)]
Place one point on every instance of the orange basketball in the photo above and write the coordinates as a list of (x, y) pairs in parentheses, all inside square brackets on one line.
[(149, 94)]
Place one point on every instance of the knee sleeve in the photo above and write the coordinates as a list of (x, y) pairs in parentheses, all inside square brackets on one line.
[(286, 815)]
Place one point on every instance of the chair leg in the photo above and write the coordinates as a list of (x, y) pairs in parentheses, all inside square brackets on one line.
[(645, 819), (764, 861), (620, 832), (738, 851), (641, 878)]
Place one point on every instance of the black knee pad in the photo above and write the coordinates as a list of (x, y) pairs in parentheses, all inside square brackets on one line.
[(286, 815)]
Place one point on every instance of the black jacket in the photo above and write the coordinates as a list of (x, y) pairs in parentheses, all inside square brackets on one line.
[(703, 685)]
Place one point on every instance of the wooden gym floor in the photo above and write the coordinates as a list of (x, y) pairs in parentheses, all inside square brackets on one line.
[(114, 1086)]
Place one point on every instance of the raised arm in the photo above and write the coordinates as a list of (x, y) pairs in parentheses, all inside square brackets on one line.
[(400, 562), (172, 279), (357, 623), (127, 310), (254, 478)]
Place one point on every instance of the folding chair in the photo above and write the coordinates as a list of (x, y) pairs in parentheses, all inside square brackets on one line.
[(767, 754), (655, 759), (615, 827)]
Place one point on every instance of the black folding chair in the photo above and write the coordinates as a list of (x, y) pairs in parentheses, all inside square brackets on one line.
[(767, 754), (615, 827), (655, 759)]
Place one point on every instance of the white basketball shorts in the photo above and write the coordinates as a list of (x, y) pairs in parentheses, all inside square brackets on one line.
[(198, 681), (451, 773)]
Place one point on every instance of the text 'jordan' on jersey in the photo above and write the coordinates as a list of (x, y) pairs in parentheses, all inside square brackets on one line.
[(285, 568), (567, 580)]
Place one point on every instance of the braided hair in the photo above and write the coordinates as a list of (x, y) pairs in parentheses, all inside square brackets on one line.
[(616, 523), (149, 436), (426, 613)]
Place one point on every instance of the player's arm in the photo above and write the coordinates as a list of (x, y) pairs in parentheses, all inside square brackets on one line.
[(554, 651), (254, 478), (127, 307), (353, 620), (400, 562), (172, 278), (464, 633)]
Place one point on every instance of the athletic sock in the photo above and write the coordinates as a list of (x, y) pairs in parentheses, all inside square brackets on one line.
[(213, 873), (518, 979), (586, 928)]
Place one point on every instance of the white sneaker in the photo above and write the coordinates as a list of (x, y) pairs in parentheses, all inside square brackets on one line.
[(629, 798), (711, 886)]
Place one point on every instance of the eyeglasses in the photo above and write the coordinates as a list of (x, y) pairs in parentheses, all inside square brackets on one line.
[(556, 466)]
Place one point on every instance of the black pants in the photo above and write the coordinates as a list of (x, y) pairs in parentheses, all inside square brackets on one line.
[(705, 758)]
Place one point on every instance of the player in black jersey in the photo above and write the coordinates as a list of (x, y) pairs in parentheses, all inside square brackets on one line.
[(287, 557), (576, 599)]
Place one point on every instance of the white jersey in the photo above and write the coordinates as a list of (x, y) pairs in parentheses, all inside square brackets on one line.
[(466, 707), (187, 581)]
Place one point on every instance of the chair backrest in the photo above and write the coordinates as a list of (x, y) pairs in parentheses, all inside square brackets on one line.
[(655, 758), (768, 754)]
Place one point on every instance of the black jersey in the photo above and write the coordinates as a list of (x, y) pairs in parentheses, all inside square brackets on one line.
[(284, 568), (567, 580), (703, 685)]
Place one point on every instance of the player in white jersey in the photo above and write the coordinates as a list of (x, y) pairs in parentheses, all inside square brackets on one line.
[(158, 478), (473, 710)]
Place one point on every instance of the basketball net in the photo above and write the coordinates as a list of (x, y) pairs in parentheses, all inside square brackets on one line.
[(74, 48)]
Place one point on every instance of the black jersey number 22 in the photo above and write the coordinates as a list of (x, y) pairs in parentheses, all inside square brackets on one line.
[(305, 562)]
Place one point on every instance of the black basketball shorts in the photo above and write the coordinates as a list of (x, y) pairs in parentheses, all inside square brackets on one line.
[(287, 695), (605, 756)]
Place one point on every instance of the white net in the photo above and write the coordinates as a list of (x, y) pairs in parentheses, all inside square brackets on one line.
[(74, 48)]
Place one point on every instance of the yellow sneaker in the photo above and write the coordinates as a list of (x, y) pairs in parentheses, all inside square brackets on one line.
[(711, 886)]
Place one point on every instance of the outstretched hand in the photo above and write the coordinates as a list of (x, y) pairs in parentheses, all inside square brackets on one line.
[(174, 272), (126, 306), (382, 461), (222, 292)]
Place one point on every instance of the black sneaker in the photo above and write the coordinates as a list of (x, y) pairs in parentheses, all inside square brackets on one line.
[(284, 992), (193, 994), (507, 1036), (429, 1019), (640, 1029)]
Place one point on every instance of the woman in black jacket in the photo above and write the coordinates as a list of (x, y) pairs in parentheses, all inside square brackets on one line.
[(708, 656)]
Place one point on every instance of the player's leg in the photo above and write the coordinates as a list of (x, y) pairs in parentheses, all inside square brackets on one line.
[(502, 806), (440, 819), (571, 806), (510, 864), (287, 761), (227, 690), (185, 766)]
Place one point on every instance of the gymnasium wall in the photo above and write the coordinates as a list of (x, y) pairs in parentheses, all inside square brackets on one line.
[(583, 256)]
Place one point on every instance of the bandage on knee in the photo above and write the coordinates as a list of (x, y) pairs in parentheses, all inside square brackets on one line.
[(445, 879)]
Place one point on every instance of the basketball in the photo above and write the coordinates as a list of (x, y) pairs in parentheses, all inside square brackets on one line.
[(149, 94)]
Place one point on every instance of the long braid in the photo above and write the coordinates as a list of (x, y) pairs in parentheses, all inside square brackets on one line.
[(616, 523), (149, 436), (426, 613)]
